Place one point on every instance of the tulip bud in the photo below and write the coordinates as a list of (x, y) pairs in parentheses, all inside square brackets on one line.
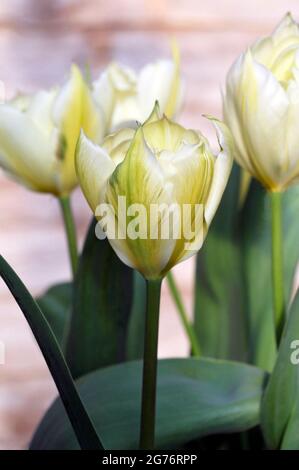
[(38, 135), (126, 97), (261, 107), (160, 167)]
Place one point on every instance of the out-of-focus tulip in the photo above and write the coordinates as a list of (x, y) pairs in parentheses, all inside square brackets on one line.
[(128, 97), (261, 107), (38, 134), (160, 163)]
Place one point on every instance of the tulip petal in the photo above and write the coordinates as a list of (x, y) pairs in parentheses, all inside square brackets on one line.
[(126, 98), (103, 94), (155, 114), (290, 169), (256, 111), (286, 28), (94, 167), (115, 93), (25, 151), (160, 81), (269, 50), (73, 110), (40, 110), (213, 175), (168, 135), (176, 92), (232, 114), (141, 180), (222, 169), (190, 170), (118, 144)]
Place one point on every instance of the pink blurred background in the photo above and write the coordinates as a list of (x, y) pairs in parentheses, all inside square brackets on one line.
[(39, 39)]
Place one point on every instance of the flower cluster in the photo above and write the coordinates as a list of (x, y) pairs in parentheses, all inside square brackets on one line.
[(154, 187), (148, 158), (155, 161)]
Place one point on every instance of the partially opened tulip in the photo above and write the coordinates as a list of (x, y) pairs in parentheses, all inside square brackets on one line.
[(38, 136), (126, 96), (158, 165), (261, 107)]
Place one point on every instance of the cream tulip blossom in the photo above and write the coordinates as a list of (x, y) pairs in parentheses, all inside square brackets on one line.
[(261, 107), (126, 96), (159, 164), (38, 134)]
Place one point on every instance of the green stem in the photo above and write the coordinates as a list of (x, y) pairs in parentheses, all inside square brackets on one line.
[(70, 231), (277, 264), (148, 411), (79, 418), (183, 315)]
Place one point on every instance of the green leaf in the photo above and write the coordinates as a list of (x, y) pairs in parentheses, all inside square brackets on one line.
[(280, 405), (255, 226), (101, 308), (78, 417), (55, 303), (219, 306), (233, 275), (196, 397), (256, 251)]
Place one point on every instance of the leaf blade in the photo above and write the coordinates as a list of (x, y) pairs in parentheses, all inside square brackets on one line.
[(195, 397), (256, 249), (219, 307), (101, 308), (55, 303), (280, 405), (53, 356)]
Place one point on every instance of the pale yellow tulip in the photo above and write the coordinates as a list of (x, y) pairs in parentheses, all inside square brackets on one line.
[(160, 163), (38, 134), (261, 107), (126, 96)]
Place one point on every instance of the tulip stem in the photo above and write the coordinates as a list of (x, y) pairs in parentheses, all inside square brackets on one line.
[(70, 231), (195, 348), (277, 264), (148, 411)]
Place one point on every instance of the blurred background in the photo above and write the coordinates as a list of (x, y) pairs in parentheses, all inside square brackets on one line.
[(39, 39)]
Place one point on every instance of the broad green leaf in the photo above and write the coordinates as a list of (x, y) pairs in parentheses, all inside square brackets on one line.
[(280, 405), (195, 397), (219, 306), (73, 406), (233, 278), (136, 327), (55, 303), (255, 228), (255, 235), (101, 308)]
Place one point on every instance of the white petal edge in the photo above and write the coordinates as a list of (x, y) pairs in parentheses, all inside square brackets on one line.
[(93, 167), (25, 151), (222, 169)]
